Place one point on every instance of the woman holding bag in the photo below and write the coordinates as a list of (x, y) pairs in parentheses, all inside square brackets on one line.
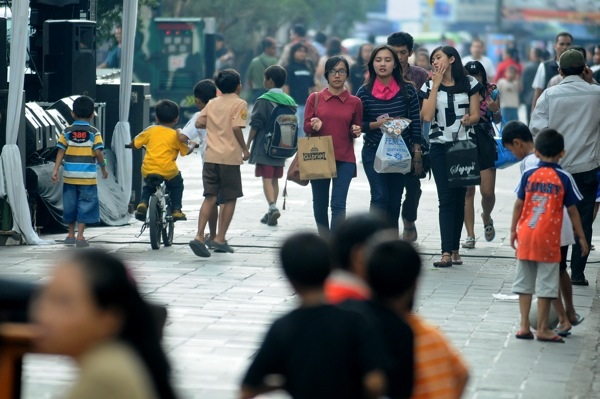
[(451, 104), (387, 96), (334, 112)]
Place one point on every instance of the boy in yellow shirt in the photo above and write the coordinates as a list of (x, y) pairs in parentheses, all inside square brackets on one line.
[(162, 145)]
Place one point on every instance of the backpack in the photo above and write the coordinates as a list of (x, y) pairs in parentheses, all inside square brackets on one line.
[(282, 139)]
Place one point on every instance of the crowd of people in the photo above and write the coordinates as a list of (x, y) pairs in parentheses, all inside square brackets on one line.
[(354, 333)]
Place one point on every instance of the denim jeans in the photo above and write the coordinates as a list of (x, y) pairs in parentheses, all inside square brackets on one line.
[(587, 182), (510, 114), (339, 193), (411, 200), (386, 188), (451, 201), (174, 188), (300, 116)]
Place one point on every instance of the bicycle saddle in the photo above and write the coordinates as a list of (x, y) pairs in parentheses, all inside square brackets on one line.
[(154, 180)]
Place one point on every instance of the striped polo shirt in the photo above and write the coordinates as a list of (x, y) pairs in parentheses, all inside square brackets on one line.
[(80, 142)]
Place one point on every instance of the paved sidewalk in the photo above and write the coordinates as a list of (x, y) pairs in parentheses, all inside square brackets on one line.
[(220, 307)]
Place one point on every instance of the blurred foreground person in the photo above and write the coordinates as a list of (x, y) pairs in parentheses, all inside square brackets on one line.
[(316, 351), (92, 311)]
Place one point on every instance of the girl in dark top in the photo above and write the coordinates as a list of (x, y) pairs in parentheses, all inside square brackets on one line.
[(489, 112), (358, 70), (451, 104), (387, 96), (300, 79)]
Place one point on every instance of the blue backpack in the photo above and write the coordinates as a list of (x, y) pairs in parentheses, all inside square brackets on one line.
[(281, 141)]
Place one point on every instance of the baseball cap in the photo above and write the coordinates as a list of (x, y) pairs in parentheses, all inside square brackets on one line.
[(571, 59)]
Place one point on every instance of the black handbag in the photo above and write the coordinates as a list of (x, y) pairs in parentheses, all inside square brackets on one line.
[(462, 163)]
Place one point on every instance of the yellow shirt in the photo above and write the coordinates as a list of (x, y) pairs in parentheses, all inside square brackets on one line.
[(162, 146), (220, 116)]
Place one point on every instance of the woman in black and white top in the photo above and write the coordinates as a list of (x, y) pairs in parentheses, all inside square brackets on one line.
[(451, 104)]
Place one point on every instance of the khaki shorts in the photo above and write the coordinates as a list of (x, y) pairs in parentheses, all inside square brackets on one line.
[(224, 181), (539, 278)]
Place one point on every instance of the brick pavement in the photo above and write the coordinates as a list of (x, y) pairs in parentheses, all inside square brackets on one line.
[(220, 307)]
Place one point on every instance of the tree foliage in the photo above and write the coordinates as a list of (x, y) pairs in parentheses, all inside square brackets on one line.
[(109, 14)]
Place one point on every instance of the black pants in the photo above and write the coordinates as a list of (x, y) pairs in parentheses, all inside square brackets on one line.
[(451, 201), (587, 182)]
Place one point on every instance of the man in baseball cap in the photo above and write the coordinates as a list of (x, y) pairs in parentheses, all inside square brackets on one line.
[(572, 107)]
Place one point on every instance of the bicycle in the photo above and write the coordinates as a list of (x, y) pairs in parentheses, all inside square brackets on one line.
[(159, 218)]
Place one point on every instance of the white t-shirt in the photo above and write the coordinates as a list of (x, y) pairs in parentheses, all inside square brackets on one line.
[(539, 81), (509, 92), (567, 237), (193, 133), (449, 110)]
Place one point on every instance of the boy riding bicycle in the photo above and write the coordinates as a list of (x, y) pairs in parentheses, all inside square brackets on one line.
[(162, 145)]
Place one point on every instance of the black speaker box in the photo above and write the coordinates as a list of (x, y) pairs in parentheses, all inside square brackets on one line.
[(69, 59), (34, 134)]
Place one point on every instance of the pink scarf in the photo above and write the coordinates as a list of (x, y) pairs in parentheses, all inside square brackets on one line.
[(383, 92)]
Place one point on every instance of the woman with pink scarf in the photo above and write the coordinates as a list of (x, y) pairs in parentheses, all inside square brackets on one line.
[(387, 96)]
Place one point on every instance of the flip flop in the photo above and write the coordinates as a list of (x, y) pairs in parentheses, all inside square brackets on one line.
[(555, 340), (578, 320), (199, 249), (560, 333), (520, 335)]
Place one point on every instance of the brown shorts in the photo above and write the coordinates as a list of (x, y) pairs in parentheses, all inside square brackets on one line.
[(222, 180), (268, 172)]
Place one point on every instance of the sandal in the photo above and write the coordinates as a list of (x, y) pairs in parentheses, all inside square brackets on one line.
[(489, 231), (410, 234), (458, 261), (469, 243), (446, 261)]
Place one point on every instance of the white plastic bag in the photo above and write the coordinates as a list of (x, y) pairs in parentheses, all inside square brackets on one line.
[(392, 155)]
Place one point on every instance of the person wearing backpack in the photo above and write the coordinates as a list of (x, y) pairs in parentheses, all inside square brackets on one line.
[(273, 137), (337, 113)]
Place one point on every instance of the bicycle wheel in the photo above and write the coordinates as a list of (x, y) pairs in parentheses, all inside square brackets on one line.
[(155, 223), (168, 228)]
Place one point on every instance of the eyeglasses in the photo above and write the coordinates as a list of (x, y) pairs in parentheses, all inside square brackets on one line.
[(340, 72)]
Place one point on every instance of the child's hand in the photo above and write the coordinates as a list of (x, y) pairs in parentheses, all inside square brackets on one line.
[(55, 176), (585, 249), (104, 173), (245, 155), (513, 239), (315, 124)]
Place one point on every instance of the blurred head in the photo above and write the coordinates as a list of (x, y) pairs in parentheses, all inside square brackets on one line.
[(269, 46), (402, 43), (562, 42), (320, 37), (276, 74), (349, 239), (228, 81), (91, 299), (118, 34), (422, 59), (511, 72), (219, 41), (393, 267), (305, 261), (83, 107), (596, 57), (364, 52), (549, 143), (477, 48), (297, 32), (297, 53), (204, 91), (334, 46), (536, 54), (476, 69), (167, 112), (517, 138)]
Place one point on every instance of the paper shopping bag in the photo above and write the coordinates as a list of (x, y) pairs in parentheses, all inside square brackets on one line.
[(316, 158)]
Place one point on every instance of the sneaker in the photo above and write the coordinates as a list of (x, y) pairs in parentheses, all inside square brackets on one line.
[(82, 243), (265, 219), (70, 241), (469, 243), (273, 216), (140, 211), (178, 215), (199, 249)]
